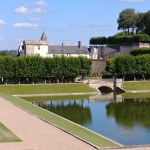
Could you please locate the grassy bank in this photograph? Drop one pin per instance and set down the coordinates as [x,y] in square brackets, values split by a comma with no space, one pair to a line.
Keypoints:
[47,98]
[8,91]
[142,85]
[46,88]
[6,135]
[136,95]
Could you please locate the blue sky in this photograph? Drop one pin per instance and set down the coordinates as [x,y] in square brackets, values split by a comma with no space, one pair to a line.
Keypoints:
[61,20]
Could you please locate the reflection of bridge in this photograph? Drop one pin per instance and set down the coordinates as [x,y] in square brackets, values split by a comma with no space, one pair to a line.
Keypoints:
[105,97]
[102,83]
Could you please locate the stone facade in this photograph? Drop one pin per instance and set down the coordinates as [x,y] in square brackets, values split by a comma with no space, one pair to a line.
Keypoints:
[100,54]
[41,48]
[98,66]
[105,52]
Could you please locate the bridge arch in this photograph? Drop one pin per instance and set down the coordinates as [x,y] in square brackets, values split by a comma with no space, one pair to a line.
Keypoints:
[106,85]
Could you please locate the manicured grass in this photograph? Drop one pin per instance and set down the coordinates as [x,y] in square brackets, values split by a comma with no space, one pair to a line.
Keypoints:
[7,91]
[6,135]
[46,88]
[46,98]
[136,95]
[143,85]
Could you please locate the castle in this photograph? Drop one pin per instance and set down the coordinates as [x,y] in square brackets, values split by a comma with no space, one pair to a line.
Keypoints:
[98,54]
[43,49]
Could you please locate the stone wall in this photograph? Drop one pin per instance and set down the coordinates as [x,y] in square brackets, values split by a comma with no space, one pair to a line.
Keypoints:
[98,66]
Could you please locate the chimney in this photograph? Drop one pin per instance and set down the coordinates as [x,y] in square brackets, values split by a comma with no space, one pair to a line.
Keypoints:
[80,44]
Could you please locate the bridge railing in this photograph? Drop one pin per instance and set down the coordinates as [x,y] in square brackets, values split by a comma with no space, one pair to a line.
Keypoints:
[100,80]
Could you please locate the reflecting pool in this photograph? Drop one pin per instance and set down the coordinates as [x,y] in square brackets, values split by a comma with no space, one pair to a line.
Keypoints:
[126,121]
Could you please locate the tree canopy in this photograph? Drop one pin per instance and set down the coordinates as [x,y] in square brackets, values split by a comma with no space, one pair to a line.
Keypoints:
[63,69]
[132,22]
[127,20]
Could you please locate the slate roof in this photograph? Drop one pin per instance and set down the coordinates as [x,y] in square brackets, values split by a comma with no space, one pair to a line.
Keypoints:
[43,37]
[52,49]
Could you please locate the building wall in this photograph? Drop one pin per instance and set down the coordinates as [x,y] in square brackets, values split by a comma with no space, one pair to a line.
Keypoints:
[41,50]
[67,55]
[98,66]
[29,50]
[104,52]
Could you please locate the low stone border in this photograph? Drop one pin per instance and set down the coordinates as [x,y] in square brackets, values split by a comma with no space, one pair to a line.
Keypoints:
[137,91]
[55,94]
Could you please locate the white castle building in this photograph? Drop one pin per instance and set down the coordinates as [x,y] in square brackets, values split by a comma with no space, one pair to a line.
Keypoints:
[43,49]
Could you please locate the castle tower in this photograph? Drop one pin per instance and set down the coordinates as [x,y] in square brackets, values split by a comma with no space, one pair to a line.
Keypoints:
[43,37]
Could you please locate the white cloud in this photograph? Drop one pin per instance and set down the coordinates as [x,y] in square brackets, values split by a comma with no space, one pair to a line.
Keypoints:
[25,25]
[35,20]
[42,4]
[39,11]
[25,10]
[22,10]
[89,26]
[133,0]
[2,23]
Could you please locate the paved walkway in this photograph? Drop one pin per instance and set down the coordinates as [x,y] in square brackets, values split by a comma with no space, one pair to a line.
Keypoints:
[35,133]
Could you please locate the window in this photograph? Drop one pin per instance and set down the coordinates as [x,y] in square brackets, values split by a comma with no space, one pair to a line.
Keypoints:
[38,47]
[94,56]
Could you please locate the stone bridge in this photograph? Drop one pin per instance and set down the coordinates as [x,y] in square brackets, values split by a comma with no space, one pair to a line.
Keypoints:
[104,84]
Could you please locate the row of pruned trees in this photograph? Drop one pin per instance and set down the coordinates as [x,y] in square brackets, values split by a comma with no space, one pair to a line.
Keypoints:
[134,65]
[120,39]
[32,68]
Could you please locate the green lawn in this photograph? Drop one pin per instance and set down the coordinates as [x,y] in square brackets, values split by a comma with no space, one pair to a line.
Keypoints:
[46,88]
[142,85]
[46,98]
[136,95]
[9,90]
[6,135]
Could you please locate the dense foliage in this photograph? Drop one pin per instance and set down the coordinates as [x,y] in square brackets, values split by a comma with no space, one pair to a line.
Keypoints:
[121,39]
[110,65]
[127,20]
[31,68]
[98,40]
[129,65]
[135,28]
[140,51]
[132,22]
[6,52]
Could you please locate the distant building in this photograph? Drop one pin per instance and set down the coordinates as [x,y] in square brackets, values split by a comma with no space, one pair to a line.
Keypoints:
[104,52]
[99,54]
[41,48]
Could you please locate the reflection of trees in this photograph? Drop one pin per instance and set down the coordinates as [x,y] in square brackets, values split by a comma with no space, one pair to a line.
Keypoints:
[72,110]
[131,112]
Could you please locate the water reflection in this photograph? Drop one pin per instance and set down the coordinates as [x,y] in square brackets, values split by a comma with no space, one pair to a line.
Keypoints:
[72,110]
[131,112]
[126,121]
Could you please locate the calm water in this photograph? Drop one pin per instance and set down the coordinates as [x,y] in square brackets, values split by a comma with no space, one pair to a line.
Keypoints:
[127,121]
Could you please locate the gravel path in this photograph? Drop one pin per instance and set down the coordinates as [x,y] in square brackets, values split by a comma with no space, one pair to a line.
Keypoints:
[35,133]
[39,135]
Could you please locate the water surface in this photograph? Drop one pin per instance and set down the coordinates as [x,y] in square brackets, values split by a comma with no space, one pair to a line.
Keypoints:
[126,121]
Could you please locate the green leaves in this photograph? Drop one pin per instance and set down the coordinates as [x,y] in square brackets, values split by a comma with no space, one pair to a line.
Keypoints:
[140,51]
[129,65]
[127,19]
[98,40]
[110,65]
[58,68]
